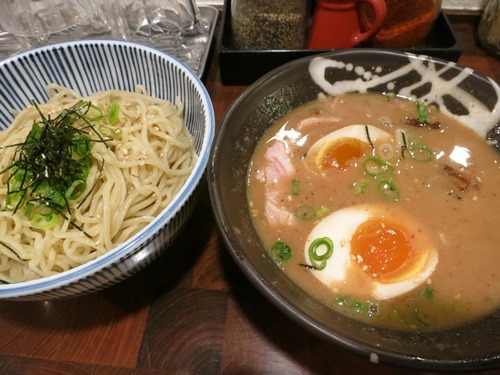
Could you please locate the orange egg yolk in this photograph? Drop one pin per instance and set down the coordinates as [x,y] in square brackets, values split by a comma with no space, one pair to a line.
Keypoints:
[340,152]
[382,248]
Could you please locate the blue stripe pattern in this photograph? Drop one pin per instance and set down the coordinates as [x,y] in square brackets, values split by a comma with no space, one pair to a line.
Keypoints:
[97,65]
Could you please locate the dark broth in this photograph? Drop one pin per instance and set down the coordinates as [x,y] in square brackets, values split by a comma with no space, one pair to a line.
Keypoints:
[451,198]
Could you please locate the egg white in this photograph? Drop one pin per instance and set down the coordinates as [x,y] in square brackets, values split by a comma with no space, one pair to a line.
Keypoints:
[340,226]
[363,133]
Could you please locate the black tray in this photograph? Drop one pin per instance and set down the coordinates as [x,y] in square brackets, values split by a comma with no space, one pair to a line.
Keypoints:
[243,67]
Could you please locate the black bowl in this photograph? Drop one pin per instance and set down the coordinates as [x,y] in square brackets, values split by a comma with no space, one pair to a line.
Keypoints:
[458,90]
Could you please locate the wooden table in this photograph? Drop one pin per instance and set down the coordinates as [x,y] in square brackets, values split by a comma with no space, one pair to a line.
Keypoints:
[192,311]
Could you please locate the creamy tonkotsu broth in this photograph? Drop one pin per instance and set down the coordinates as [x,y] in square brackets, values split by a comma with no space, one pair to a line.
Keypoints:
[382,208]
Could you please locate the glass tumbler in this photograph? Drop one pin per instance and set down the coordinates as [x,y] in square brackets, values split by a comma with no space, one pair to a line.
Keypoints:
[39,22]
[159,23]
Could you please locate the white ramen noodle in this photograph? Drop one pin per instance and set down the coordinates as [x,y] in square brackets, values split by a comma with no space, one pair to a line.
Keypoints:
[144,160]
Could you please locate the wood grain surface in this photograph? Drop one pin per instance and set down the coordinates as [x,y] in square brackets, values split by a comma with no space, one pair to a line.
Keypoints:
[190,312]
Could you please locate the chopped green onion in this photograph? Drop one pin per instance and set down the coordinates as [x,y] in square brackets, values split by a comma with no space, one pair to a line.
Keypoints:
[20,176]
[418,317]
[14,200]
[32,139]
[52,164]
[75,190]
[423,113]
[280,251]
[421,153]
[360,186]
[370,308]
[427,293]
[305,212]
[97,116]
[47,192]
[109,131]
[375,166]
[317,260]
[45,221]
[82,171]
[388,189]
[29,209]
[386,151]
[45,210]
[82,145]
[295,187]
[113,112]
[322,211]
[341,300]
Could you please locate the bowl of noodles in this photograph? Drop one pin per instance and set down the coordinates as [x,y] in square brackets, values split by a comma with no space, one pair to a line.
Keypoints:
[103,145]
[358,191]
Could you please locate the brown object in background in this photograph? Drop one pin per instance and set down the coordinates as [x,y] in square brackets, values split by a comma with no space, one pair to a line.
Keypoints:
[407,24]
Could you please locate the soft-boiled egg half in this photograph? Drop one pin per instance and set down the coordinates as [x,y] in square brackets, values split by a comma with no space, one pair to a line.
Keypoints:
[377,252]
[339,148]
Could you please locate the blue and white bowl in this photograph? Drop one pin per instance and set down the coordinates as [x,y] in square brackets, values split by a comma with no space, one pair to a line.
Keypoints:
[90,66]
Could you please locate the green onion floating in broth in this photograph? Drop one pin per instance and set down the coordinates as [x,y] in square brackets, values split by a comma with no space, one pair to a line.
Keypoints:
[386,151]
[361,185]
[322,211]
[369,308]
[374,166]
[421,153]
[388,189]
[305,212]
[280,251]
[427,293]
[295,187]
[423,113]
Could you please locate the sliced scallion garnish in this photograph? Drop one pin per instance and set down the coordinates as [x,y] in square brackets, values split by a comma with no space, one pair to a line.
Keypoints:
[322,211]
[421,153]
[423,113]
[370,308]
[113,112]
[305,212]
[295,187]
[44,221]
[280,251]
[388,189]
[361,185]
[374,166]
[427,293]
[52,164]
[318,259]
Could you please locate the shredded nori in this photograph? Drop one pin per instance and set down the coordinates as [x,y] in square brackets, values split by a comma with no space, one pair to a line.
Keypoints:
[55,154]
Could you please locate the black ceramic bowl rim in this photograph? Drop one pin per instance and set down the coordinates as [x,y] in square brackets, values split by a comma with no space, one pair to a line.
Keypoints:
[232,236]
